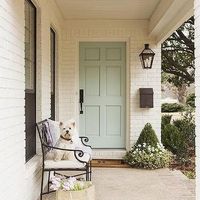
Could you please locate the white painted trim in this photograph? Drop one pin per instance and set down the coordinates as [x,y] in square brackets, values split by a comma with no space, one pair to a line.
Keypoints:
[57,91]
[38,61]
[38,86]
[168,17]
[116,39]
[33,165]
[174,26]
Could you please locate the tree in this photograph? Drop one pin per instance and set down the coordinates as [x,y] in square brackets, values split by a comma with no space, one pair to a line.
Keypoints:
[148,136]
[178,55]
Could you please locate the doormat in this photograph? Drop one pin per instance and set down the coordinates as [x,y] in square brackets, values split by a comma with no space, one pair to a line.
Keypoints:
[109,163]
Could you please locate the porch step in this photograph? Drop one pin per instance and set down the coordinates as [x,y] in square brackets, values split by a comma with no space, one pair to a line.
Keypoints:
[108,154]
[110,163]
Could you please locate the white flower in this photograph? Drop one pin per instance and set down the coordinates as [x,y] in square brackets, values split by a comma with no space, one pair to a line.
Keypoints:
[66,186]
[52,187]
[62,183]
[139,145]
[54,178]
[71,179]
[55,184]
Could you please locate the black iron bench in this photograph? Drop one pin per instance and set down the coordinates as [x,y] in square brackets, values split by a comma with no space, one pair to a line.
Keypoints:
[82,164]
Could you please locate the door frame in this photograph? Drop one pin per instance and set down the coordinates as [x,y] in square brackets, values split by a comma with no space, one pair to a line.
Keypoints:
[126,40]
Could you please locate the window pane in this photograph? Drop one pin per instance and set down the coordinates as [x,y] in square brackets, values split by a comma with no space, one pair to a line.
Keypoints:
[52,43]
[30,42]
[29,71]
[30,79]
[27,15]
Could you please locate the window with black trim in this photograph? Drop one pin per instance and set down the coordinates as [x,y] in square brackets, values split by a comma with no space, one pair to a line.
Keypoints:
[30,79]
[53,66]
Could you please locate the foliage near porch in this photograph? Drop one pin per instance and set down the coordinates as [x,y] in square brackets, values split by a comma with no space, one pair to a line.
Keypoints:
[148,153]
[178,136]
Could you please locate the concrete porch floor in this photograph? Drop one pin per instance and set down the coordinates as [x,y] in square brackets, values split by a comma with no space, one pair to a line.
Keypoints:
[136,184]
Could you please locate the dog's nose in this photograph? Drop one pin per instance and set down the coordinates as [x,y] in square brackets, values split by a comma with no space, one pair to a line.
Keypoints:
[67,131]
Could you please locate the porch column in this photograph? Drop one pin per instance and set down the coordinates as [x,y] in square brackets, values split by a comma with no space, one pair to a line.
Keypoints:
[197,92]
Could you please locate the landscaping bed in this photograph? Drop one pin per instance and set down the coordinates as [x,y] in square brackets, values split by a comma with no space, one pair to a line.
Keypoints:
[178,136]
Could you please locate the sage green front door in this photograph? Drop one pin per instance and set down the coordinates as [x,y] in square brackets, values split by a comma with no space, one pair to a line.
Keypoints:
[102,78]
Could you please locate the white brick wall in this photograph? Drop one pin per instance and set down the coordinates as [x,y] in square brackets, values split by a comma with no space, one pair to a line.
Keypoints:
[197,93]
[20,181]
[12,154]
[135,32]
[44,21]
[24,179]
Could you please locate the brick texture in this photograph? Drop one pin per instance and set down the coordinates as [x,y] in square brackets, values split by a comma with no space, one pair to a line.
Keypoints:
[12,99]
[23,179]
[20,180]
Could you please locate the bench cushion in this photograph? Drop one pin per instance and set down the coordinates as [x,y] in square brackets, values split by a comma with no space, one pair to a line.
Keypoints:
[64,164]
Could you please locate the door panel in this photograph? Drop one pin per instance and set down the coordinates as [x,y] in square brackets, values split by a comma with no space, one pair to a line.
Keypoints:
[113,120]
[102,77]
[92,54]
[92,80]
[113,80]
[92,120]
[113,53]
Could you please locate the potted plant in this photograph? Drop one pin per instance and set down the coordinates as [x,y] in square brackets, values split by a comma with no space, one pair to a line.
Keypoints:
[72,189]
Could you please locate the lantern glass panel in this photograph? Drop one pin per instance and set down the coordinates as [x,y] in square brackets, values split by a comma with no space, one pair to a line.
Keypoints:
[147,61]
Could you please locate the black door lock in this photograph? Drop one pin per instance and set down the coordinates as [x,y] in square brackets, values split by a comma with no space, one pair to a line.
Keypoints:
[81,100]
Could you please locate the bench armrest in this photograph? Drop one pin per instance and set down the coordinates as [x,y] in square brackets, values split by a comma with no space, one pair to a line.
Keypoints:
[77,153]
[84,140]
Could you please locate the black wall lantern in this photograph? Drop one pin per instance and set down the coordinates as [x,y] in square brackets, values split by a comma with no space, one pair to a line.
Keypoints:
[147,57]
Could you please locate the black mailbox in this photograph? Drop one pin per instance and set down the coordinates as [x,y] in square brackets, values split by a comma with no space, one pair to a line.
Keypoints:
[146,97]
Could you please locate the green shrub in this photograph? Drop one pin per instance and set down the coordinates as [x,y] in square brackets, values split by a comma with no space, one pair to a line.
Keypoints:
[173,140]
[190,101]
[166,119]
[147,152]
[190,174]
[148,136]
[187,130]
[172,107]
[148,157]
[186,127]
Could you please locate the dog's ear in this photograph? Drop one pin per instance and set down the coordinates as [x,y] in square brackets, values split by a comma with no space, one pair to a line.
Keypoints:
[72,122]
[61,123]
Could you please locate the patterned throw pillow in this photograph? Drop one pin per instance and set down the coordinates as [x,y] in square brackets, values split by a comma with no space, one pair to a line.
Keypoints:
[54,129]
[48,135]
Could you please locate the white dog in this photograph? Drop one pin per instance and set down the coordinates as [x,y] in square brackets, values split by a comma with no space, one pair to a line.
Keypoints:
[69,139]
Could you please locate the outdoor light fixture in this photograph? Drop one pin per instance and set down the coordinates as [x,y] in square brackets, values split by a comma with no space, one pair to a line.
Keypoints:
[147,57]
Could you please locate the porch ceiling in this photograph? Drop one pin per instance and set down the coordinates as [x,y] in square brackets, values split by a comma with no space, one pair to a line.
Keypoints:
[164,16]
[107,9]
